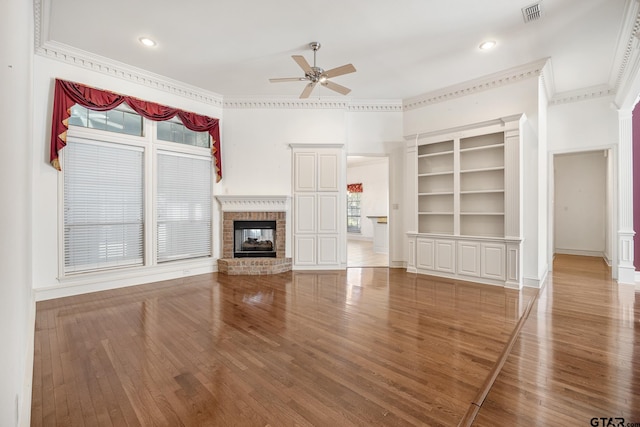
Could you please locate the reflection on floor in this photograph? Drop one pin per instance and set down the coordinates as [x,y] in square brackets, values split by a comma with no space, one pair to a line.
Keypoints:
[360,254]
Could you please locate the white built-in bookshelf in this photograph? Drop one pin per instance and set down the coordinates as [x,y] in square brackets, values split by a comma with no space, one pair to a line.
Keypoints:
[467,182]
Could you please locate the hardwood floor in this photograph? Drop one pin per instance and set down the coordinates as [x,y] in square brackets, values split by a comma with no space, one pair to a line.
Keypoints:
[370,346]
[360,254]
[577,356]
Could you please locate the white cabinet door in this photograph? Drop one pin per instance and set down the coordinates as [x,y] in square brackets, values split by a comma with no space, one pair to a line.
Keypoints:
[445,256]
[319,207]
[327,250]
[493,261]
[305,249]
[425,254]
[304,172]
[328,208]
[305,213]
[328,171]
[469,258]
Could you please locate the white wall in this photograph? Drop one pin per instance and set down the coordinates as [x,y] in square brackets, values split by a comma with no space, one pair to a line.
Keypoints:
[256,153]
[580,203]
[16,304]
[373,132]
[374,176]
[543,187]
[583,125]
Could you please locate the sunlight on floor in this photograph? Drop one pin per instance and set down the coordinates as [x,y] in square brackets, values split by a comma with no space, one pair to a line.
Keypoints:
[360,254]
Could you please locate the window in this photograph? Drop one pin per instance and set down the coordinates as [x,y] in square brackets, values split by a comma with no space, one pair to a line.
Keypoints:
[174,131]
[120,180]
[184,207]
[119,120]
[103,206]
[353,212]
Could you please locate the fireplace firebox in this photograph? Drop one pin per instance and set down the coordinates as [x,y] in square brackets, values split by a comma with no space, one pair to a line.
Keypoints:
[254,239]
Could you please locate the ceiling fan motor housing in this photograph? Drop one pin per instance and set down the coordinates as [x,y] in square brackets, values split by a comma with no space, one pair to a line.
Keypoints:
[316,74]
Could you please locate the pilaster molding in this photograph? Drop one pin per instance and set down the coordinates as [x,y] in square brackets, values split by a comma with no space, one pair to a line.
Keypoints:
[491,81]
[254,203]
[625,267]
[625,171]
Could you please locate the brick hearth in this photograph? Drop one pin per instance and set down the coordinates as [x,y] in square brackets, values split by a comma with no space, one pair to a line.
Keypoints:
[253,266]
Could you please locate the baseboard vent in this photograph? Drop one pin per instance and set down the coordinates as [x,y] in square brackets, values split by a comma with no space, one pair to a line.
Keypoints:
[532,12]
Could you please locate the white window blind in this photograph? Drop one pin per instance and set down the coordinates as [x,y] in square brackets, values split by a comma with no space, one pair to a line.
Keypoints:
[183,206]
[103,206]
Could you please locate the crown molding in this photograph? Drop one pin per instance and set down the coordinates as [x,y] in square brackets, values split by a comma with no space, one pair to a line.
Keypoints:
[39,22]
[627,45]
[80,58]
[383,106]
[284,102]
[626,81]
[491,81]
[582,94]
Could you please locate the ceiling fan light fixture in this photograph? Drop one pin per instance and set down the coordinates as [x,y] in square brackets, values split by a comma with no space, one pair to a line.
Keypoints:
[487,45]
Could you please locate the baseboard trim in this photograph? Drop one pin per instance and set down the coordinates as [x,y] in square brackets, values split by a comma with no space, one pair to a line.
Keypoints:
[579,252]
[104,282]
[531,282]
[27,385]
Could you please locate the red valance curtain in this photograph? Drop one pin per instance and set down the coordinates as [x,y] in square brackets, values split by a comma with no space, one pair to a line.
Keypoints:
[354,188]
[69,93]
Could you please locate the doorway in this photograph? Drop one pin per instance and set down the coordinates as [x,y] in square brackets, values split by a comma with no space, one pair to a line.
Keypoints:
[582,204]
[367,211]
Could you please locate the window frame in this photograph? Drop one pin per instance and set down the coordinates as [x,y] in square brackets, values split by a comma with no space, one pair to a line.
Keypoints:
[150,146]
[359,200]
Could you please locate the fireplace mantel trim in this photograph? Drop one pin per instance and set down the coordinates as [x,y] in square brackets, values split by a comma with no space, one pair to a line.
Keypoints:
[254,203]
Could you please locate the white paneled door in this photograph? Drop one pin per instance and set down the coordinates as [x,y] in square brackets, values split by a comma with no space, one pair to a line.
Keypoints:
[319,205]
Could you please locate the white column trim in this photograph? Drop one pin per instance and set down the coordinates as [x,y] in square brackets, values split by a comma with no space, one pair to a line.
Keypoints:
[625,267]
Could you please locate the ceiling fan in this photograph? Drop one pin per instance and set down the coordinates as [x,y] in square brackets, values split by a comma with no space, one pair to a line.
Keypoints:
[315,74]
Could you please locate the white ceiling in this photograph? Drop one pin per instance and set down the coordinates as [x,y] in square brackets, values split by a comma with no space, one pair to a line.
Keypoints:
[401,49]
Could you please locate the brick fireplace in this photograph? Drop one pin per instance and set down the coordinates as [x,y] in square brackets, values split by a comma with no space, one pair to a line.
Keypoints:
[253,208]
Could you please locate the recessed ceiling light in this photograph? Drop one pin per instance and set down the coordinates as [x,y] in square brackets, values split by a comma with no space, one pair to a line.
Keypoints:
[147,41]
[489,44]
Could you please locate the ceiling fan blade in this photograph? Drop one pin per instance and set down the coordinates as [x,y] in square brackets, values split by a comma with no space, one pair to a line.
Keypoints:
[302,63]
[288,79]
[338,71]
[338,88]
[307,90]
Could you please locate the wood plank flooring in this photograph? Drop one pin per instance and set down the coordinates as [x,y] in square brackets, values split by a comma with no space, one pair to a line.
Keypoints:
[365,346]
[360,254]
[577,356]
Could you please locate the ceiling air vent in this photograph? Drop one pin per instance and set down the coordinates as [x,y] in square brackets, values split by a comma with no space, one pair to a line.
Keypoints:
[531,12]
